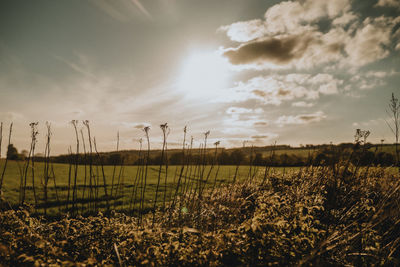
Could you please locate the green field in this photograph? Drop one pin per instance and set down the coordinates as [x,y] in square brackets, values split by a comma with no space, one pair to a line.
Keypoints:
[58,195]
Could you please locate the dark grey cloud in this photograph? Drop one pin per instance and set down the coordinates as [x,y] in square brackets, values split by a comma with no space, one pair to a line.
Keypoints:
[260,136]
[308,118]
[301,118]
[139,126]
[260,123]
[279,51]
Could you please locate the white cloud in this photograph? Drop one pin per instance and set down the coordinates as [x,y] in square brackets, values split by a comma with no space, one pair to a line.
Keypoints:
[328,84]
[380,74]
[295,17]
[345,19]
[244,31]
[372,79]
[239,110]
[272,90]
[388,3]
[275,89]
[290,37]
[302,104]
[368,43]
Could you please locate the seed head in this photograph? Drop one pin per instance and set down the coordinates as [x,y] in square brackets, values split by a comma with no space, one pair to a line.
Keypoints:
[164,127]
[146,129]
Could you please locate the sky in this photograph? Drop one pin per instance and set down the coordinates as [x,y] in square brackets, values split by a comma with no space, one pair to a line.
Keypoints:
[260,71]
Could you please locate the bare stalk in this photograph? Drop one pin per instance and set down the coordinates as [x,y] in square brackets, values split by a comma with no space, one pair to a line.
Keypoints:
[164,128]
[46,165]
[74,191]
[5,163]
[86,123]
[34,140]
[25,176]
[146,131]
[114,168]
[268,164]
[119,190]
[69,175]
[136,180]
[85,175]
[55,184]
[166,171]
[180,175]
[213,164]
[394,124]
[103,174]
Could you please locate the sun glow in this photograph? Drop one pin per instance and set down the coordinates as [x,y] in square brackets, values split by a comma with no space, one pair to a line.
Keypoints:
[203,74]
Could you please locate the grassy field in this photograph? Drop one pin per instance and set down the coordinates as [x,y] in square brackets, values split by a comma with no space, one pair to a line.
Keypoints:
[315,217]
[125,176]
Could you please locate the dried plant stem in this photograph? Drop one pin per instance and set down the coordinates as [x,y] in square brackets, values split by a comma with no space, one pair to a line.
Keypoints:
[85,175]
[136,180]
[166,177]
[47,166]
[74,191]
[268,164]
[6,161]
[91,177]
[180,176]
[69,176]
[114,168]
[146,130]
[163,128]
[34,140]
[103,175]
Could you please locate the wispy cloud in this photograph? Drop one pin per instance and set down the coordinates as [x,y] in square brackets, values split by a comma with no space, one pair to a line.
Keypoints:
[142,8]
[110,9]
[302,104]
[122,11]
[78,67]
[240,110]
[388,3]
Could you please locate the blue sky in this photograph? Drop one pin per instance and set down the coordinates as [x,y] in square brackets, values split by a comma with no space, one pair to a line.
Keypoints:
[295,72]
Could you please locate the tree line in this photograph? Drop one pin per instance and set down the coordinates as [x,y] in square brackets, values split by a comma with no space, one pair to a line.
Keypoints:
[318,155]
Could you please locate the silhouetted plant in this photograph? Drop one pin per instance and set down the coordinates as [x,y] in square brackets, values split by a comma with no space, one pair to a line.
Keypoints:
[394,124]
[114,168]
[146,131]
[103,174]
[137,179]
[74,192]
[164,128]
[91,174]
[46,172]
[6,161]
[85,169]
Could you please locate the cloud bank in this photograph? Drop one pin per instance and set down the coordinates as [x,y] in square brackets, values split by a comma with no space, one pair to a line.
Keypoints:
[292,35]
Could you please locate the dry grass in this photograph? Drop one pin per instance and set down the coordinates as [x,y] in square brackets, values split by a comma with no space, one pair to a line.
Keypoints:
[309,217]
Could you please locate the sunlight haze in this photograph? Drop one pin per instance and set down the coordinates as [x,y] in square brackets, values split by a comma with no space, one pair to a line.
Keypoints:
[294,72]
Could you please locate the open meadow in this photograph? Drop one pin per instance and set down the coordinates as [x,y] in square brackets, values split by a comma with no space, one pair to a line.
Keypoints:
[119,182]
